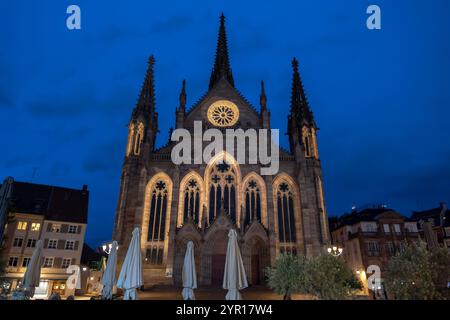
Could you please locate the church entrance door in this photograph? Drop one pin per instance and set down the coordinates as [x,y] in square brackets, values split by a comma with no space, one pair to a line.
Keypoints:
[218,268]
[255,270]
[257,266]
[218,259]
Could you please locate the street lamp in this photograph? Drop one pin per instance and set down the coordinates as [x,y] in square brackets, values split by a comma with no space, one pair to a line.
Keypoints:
[335,251]
[107,248]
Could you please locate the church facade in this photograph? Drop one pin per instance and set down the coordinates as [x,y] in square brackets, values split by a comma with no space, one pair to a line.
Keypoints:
[173,204]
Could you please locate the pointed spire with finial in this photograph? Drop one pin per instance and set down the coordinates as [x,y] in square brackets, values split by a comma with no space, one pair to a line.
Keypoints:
[183,96]
[222,67]
[262,97]
[146,103]
[299,104]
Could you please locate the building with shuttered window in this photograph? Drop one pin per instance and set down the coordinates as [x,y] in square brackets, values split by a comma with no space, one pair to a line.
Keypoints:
[55,215]
[370,237]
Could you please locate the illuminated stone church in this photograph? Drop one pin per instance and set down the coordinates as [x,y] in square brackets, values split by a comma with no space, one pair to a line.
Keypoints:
[173,204]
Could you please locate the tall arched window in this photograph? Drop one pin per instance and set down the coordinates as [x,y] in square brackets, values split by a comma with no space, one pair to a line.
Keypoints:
[222,188]
[314,143]
[307,147]
[252,202]
[321,203]
[192,201]
[158,210]
[139,138]
[286,213]
[130,138]
[307,142]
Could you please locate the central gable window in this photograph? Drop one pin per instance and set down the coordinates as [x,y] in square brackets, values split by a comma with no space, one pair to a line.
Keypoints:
[223,113]
[222,191]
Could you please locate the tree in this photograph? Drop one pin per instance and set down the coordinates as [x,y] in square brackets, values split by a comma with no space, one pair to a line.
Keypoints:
[417,273]
[285,275]
[440,259]
[328,278]
[324,276]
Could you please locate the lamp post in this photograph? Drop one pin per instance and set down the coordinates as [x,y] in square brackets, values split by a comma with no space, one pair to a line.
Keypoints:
[335,251]
[107,248]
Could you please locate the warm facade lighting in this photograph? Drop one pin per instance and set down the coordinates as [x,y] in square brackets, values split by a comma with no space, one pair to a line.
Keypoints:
[335,251]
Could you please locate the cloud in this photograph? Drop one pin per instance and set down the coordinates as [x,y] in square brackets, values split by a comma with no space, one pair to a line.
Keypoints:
[18,161]
[430,182]
[81,102]
[104,157]
[53,108]
[6,86]
[63,105]
[96,165]
[5,99]
[59,169]
[114,33]
[171,24]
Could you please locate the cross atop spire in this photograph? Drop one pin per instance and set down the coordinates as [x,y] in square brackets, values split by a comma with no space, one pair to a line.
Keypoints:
[146,103]
[222,67]
[299,103]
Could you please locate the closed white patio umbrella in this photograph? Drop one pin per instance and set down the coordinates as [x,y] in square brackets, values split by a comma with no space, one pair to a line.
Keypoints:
[32,275]
[130,277]
[189,273]
[109,273]
[234,278]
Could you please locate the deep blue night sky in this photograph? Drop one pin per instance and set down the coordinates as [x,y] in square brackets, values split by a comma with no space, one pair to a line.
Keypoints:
[381,98]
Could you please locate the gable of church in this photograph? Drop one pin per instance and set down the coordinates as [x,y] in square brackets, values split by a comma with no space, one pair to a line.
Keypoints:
[248,116]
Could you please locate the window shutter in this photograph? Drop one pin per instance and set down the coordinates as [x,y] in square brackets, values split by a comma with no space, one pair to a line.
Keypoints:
[46,243]
[76,245]
[57,263]
[79,229]
[61,244]
[64,228]
[74,260]
[49,227]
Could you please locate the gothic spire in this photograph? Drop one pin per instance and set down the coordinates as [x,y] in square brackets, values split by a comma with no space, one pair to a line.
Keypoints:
[299,104]
[183,95]
[262,97]
[222,67]
[146,102]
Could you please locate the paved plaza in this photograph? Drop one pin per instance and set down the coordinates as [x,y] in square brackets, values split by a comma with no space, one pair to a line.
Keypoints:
[213,293]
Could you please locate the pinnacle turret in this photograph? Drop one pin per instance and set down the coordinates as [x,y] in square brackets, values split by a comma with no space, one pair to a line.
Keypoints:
[300,110]
[146,102]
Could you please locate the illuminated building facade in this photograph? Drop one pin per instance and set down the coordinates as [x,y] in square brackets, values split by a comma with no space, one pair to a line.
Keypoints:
[173,204]
[55,215]
[370,237]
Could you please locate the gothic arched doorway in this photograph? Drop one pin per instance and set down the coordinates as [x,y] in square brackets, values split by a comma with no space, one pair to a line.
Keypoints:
[180,252]
[219,251]
[257,263]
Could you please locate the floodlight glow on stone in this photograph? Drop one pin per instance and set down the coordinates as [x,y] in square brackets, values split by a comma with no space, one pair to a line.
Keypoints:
[223,113]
